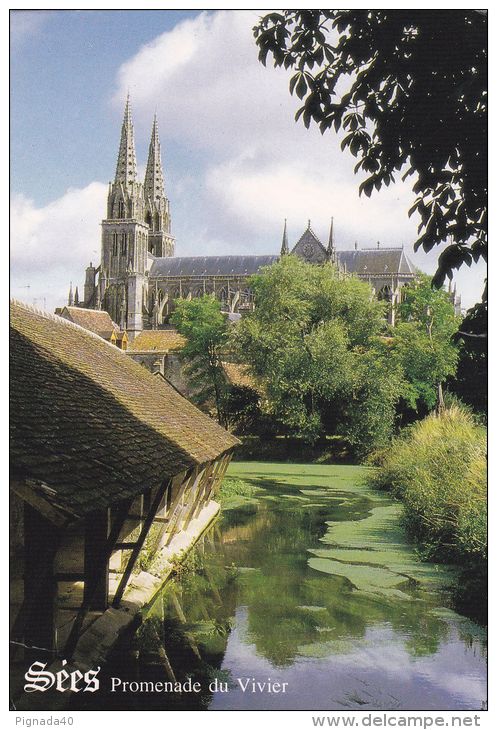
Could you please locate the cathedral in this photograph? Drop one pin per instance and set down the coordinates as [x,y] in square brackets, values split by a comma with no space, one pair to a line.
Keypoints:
[139,275]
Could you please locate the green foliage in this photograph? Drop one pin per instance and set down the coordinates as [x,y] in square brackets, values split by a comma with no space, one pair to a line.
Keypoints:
[409,90]
[372,407]
[313,343]
[470,381]
[424,342]
[242,407]
[235,492]
[206,330]
[437,467]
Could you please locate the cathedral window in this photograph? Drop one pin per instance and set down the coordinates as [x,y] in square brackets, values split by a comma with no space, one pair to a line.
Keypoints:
[120,213]
[123,243]
[114,244]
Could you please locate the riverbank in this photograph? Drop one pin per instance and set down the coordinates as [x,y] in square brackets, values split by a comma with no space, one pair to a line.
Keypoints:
[437,468]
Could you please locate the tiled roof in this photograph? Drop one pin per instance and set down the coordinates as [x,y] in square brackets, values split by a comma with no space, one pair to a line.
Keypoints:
[160,340]
[95,320]
[92,424]
[209,265]
[376,262]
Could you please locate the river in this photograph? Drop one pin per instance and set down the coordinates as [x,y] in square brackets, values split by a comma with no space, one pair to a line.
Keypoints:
[304,596]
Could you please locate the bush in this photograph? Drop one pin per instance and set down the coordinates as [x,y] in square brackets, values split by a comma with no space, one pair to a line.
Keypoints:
[437,467]
[235,492]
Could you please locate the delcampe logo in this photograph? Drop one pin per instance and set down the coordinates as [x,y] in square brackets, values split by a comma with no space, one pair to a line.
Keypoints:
[39,679]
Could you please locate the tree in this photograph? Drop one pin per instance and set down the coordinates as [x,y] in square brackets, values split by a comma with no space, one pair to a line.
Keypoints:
[471,379]
[408,88]
[310,342]
[206,331]
[423,343]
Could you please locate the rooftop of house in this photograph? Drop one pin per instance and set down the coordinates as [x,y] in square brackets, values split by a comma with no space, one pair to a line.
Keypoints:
[89,426]
[157,340]
[94,320]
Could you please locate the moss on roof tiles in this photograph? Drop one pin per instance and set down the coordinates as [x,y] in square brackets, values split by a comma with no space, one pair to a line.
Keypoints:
[160,340]
[93,424]
[95,320]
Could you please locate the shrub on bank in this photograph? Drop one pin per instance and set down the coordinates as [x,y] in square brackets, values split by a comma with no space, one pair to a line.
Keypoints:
[437,467]
[235,493]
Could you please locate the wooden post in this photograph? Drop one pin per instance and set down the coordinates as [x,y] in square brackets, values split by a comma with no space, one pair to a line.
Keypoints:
[207,481]
[178,512]
[41,539]
[102,564]
[96,581]
[193,496]
[154,506]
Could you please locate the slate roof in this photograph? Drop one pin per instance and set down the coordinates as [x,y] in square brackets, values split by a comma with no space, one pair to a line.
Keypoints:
[376,261]
[95,320]
[210,265]
[309,236]
[160,340]
[372,262]
[91,423]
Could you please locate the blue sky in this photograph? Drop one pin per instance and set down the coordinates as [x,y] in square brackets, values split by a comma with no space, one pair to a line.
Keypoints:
[236,164]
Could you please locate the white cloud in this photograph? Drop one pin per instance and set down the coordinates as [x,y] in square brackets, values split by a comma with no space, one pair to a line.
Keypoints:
[301,191]
[52,245]
[207,85]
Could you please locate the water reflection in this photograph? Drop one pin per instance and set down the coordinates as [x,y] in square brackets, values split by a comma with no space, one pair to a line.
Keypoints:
[313,586]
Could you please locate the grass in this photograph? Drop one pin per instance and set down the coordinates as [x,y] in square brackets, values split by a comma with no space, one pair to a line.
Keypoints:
[437,467]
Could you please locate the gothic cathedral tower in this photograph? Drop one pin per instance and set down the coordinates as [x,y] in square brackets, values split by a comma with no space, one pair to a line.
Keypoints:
[137,229]
[157,213]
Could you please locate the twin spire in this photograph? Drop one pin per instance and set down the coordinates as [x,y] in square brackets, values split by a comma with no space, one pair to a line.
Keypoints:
[154,177]
[126,170]
[126,159]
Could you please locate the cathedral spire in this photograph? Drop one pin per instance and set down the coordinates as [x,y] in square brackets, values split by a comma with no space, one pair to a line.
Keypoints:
[154,176]
[126,160]
[331,251]
[284,244]
[70,297]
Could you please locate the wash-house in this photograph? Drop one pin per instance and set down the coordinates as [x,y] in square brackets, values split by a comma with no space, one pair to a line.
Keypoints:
[110,468]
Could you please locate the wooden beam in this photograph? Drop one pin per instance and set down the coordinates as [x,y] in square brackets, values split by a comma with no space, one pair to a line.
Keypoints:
[219,475]
[194,494]
[162,520]
[58,516]
[103,562]
[41,541]
[154,506]
[209,486]
[96,576]
[185,503]
[179,506]
[69,577]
